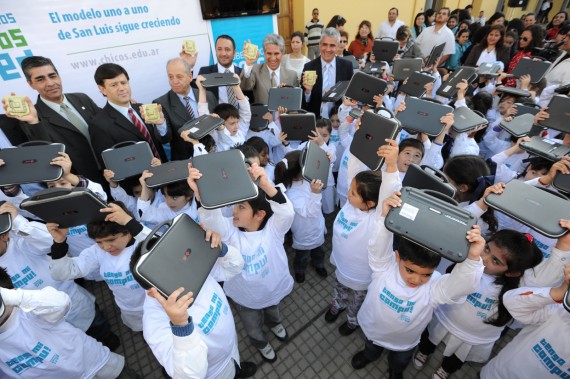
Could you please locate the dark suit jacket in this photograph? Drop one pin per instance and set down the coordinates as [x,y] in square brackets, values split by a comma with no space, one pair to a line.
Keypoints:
[109,127]
[55,128]
[259,81]
[211,70]
[12,129]
[344,71]
[503,55]
[176,115]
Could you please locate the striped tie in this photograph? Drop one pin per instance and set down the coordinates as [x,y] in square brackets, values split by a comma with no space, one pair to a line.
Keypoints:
[232,99]
[189,108]
[142,128]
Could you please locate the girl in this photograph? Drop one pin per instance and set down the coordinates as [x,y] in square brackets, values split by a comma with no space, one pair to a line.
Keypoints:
[470,329]
[362,43]
[263,149]
[418,25]
[258,229]
[490,49]
[553,26]
[296,60]
[461,39]
[309,224]
[351,230]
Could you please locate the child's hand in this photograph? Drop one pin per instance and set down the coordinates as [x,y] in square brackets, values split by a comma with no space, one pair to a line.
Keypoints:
[329,156]
[2,163]
[177,310]
[283,138]
[8,207]
[62,161]
[185,135]
[462,86]
[193,175]
[378,100]
[236,76]
[316,186]
[155,162]
[401,107]
[214,238]
[317,138]
[258,174]
[525,81]
[199,80]
[496,189]
[390,154]
[429,89]
[58,234]
[268,116]
[281,110]
[541,116]
[477,243]
[562,166]
[144,176]
[349,102]
[447,120]
[393,201]
[563,242]
[116,214]
[557,293]
[109,175]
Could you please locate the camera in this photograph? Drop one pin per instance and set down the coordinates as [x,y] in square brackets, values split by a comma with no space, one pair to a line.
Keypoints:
[549,52]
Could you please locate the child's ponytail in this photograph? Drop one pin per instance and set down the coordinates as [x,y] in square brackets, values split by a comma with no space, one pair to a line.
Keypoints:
[288,169]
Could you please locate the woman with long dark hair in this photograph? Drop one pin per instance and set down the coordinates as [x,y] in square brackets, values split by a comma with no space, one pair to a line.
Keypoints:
[531,37]
[554,25]
[490,49]
[418,26]
[363,40]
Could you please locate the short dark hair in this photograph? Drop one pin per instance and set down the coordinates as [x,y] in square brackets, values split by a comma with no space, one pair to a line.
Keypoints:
[248,151]
[33,62]
[225,111]
[412,142]
[5,280]
[257,143]
[416,254]
[180,188]
[469,6]
[229,38]
[394,9]
[324,123]
[102,229]
[108,71]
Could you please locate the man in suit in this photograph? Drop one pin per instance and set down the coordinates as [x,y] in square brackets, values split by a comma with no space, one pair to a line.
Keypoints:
[180,105]
[261,77]
[119,120]
[330,70]
[59,117]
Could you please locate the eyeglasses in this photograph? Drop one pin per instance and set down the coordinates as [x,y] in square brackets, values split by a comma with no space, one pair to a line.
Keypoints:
[526,39]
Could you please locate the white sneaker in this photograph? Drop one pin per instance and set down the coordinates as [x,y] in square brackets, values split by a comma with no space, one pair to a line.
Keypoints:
[440,373]
[268,354]
[280,332]
[420,359]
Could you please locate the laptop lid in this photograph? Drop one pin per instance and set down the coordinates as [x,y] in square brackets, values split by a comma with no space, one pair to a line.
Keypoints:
[66,207]
[257,122]
[286,97]
[436,224]
[169,172]
[30,163]
[375,68]
[298,126]
[217,79]
[519,126]
[415,84]
[513,91]
[201,126]
[561,182]
[545,148]
[490,69]
[449,88]
[373,132]
[435,53]
[536,208]
[427,177]
[127,159]
[179,258]
[423,116]
[315,163]
[535,68]
[559,111]
[466,119]
[527,108]
[225,179]
[5,221]
[404,67]
[364,87]
[385,50]
[336,92]
[352,60]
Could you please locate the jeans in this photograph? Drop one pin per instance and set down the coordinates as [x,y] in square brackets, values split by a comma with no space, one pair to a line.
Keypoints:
[301,260]
[253,320]
[397,360]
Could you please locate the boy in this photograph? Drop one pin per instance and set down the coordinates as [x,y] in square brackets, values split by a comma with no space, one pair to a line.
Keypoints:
[38,343]
[116,239]
[405,290]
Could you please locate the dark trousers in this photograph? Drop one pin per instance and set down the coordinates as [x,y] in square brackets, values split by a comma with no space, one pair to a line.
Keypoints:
[99,328]
[449,364]
[397,360]
[301,260]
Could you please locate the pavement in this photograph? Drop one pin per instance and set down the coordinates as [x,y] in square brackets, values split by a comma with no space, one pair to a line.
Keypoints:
[315,349]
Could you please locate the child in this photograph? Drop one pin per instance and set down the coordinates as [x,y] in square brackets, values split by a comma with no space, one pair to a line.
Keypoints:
[38,343]
[351,231]
[405,290]
[205,145]
[497,139]
[270,136]
[258,230]
[309,224]
[461,45]
[262,149]
[115,240]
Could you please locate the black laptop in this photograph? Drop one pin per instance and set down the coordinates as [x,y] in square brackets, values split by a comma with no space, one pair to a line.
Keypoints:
[217,79]
[298,125]
[127,159]
[415,85]
[169,172]
[180,257]
[336,92]
[519,126]
[538,209]
[287,97]
[404,67]
[66,207]
[352,60]
[374,68]
[513,91]
[5,221]
[559,111]
[427,177]
[225,179]
[561,182]
[315,163]
[201,126]
[433,221]
[364,87]
[435,53]
[526,108]
[423,116]
[257,122]
[466,119]
[546,148]
[535,68]
[30,163]
[448,89]
[373,132]
[385,50]
[490,69]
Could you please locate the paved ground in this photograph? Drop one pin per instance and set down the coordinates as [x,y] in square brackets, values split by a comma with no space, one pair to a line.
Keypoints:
[315,348]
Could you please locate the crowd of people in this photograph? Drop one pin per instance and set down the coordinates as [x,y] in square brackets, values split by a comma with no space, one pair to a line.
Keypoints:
[401,295]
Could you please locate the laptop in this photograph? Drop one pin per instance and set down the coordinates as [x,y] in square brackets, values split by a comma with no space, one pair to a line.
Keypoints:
[535,68]
[5,221]
[385,50]
[374,68]
[66,207]
[435,53]
[423,116]
[257,122]
[449,88]
[404,67]
[169,172]
[225,179]
[432,222]
[298,126]
[546,148]
[373,131]
[414,86]
[286,97]
[466,119]
[352,60]
[527,108]
[217,79]
[364,87]
[201,126]
[561,182]
[179,258]
[315,163]
[519,126]
[127,159]
[427,177]
[559,111]
[336,92]
[535,207]
[513,91]
[30,163]
[490,69]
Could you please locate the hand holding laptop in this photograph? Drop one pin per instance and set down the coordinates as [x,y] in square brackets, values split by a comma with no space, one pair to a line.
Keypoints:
[9,208]
[176,309]
[116,214]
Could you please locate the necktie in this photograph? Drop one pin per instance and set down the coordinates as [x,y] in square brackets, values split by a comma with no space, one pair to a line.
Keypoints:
[189,108]
[327,83]
[232,99]
[144,131]
[273,81]
[75,120]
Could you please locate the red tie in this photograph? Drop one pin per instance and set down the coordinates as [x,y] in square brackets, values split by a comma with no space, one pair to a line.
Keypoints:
[140,126]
